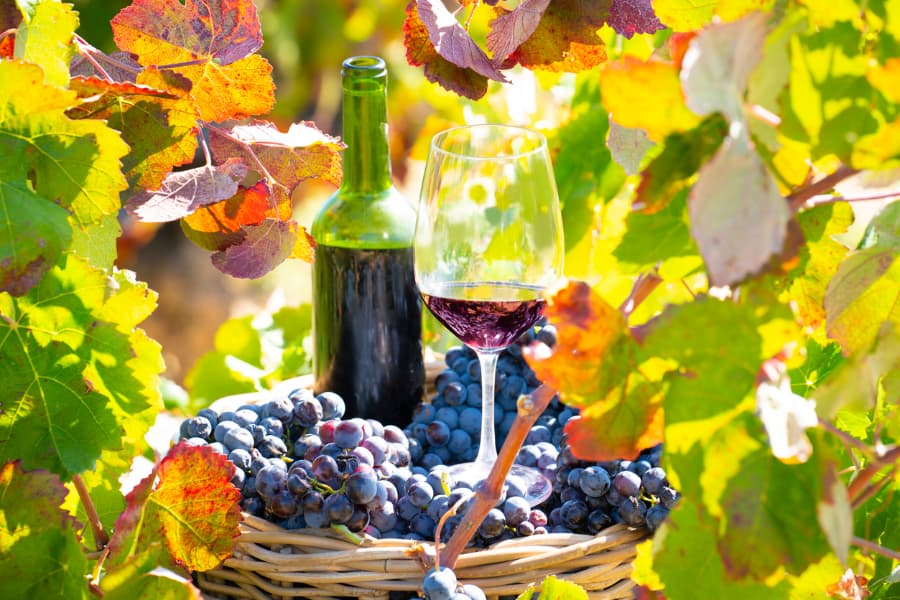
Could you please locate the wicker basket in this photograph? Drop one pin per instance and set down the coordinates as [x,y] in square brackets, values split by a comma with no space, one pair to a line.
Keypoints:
[270,562]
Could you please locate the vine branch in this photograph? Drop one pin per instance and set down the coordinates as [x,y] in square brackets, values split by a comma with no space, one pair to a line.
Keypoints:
[799,197]
[643,287]
[816,201]
[89,52]
[100,536]
[873,547]
[860,483]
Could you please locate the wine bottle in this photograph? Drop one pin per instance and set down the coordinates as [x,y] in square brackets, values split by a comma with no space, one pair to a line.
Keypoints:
[366,307]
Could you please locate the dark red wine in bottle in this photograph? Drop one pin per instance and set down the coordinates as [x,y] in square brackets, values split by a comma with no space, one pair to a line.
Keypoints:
[368,331]
[485,316]
[367,314]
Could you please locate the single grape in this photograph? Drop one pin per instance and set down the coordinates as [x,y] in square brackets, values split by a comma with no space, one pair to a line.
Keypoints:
[240,458]
[384,517]
[269,481]
[325,468]
[333,405]
[361,486]
[437,434]
[439,584]
[238,438]
[574,514]
[223,428]
[272,446]
[594,481]
[632,511]
[246,416]
[438,506]
[420,493]
[627,483]
[668,496]
[273,426]
[653,479]
[394,434]
[473,592]
[282,505]
[307,411]
[279,407]
[358,520]
[348,434]
[338,508]
[423,413]
[516,510]
[493,524]
[655,516]
[423,525]
[598,520]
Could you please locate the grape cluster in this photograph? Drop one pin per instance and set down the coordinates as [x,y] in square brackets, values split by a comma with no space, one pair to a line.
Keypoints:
[447,428]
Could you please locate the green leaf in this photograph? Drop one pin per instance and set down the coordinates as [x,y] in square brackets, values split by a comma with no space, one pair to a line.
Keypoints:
[828,85]
[553,588]
[97,244]
[42,556]
[865,291]
[128,583]
[654,238]
[211,378]
[819,259]
[74,369]
[674,168]
[45,39]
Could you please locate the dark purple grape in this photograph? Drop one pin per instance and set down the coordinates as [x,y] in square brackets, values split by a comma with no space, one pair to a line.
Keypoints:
[348,434]
[598,520]
[439,585]
[627,483]
[238,438]
[653,479]
[437,434]
[493,525]
[574,514]
[423,525]
[333,405]
[420,493]
[359,519]
[655,516]
[516,510]
[525,529]
[325,468]
[406,510]
[395,435]
[423,413]
[245,417]
[361,486]
[668,497]
[272,446]
[384,517]
[298,484]
[632,511]
[594,481]
[338,508]
[240,458]
[307,411]
[326,431]
[270,480]
[282,505]
[438,506]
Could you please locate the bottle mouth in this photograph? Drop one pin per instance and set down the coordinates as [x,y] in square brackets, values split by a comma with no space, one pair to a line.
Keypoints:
[364,66]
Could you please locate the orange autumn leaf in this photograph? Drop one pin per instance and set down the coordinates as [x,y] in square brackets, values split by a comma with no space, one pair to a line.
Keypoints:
[219,225]
[626,95]
[193,510]
[211,44]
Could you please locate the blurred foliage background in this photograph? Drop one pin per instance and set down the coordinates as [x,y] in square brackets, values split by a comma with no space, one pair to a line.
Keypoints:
[306,42]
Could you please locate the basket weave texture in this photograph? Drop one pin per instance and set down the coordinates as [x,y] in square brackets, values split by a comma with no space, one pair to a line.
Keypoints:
[271,562]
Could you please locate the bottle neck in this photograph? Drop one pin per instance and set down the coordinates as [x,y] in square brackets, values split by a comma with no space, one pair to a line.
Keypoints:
[366,162]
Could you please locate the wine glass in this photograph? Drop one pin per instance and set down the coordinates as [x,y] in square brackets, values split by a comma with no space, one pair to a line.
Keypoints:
[488,242]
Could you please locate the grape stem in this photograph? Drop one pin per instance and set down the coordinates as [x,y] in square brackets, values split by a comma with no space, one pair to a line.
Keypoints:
[643,287]
[100,536]
[859,484]
[488,492]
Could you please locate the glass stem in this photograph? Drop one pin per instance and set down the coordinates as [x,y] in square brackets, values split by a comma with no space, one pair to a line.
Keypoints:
[487,449]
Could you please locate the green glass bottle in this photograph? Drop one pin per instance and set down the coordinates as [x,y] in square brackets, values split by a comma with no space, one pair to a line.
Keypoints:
[366,307]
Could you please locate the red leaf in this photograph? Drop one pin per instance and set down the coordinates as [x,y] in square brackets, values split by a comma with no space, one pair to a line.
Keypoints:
[452,42]
[183,192]
[193,510]
[420,52]
[628,17]
[264,247]
[512,27]
[566,38]
[219,225]
[93,85]
[7,43]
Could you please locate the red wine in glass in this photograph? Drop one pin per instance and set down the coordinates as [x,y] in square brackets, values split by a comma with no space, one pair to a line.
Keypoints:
[485,316]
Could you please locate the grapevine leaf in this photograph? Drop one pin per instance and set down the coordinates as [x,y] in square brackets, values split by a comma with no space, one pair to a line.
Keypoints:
[738,218]
[264,247]
[672,170]
[51,152]
[34,234]
[593,366]
[878,150]
[687,544]
[828,85]
[452,42]
[217,39]
[684,15]
[102,92]
[625,84]
[219,225]
[718,63]
[119,66]
[628,146]
[628,17]
[46,40]
[193,509]
[420,52]
[566,38]
[553,588]
[652,238]
[97,243]
[301,153]
[512,27]
[68,363]
[183,192]
[42,556]
[132,583]
[777,526]
[886,78]
[865,291]
[835,514]
[855,384]
[819,259]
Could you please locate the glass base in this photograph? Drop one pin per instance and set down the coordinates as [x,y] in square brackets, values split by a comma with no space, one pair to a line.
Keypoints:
[534,487]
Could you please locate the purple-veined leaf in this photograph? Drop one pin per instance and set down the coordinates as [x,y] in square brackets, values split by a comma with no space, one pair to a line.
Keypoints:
[510,28]
[183,192]
[453,43]
[264,247]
